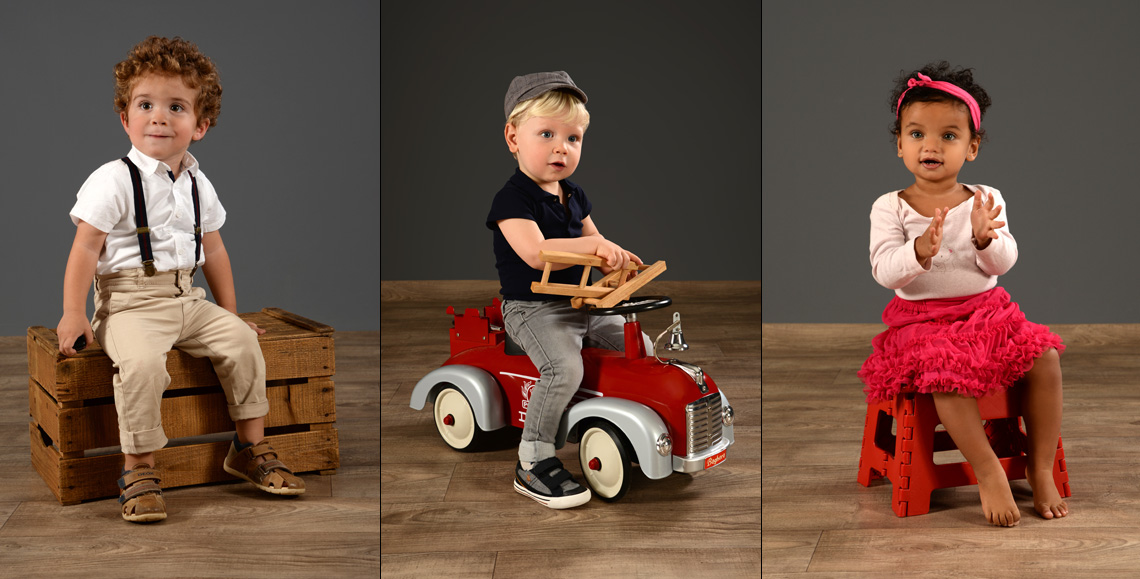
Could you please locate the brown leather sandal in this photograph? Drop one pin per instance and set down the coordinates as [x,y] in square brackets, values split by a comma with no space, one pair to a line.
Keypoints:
[271,476]
[141,498]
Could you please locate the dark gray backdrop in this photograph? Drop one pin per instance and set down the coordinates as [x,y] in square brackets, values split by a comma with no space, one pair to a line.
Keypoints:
[670,160]
[294,155]
[1063,130]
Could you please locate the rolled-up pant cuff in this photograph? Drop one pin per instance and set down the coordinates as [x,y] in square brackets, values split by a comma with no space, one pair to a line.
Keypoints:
[248,411]
[535,451]
[143,441]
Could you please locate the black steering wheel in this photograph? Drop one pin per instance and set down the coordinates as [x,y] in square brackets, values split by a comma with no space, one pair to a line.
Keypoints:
[633,306]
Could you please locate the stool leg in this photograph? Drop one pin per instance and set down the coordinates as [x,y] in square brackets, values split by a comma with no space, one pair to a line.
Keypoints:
[1061,472]
[915,454]
[872,459]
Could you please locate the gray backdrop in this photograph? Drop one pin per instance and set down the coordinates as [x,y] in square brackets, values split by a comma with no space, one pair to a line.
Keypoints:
[294,155]
[1063,140]
[670,159]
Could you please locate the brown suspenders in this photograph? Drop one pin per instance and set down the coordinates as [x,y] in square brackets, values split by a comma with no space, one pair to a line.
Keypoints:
[143,229]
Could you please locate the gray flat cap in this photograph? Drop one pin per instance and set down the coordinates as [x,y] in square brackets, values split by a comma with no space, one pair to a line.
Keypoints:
[535,84]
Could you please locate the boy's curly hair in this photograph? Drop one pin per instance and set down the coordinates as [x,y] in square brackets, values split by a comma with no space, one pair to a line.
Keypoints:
[961,77]
[174,57]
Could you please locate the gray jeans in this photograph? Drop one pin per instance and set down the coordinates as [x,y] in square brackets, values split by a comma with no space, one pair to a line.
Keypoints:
[553,335]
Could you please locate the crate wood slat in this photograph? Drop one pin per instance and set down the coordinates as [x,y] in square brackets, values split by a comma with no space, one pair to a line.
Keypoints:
[73,480]
[96,426]
[290,352]
[299,321]
[72,409]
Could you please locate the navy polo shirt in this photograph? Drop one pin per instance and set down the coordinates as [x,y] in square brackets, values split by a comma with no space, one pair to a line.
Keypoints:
[524,199]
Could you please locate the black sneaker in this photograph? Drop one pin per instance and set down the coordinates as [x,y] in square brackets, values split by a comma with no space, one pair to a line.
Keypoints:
[550,485]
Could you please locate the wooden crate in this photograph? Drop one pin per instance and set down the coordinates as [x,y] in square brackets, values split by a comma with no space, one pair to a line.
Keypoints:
[73,420]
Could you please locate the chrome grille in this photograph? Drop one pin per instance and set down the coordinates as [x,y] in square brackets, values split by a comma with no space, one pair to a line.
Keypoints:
[703,421]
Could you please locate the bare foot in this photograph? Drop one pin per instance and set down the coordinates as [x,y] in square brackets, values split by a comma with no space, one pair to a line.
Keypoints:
[997,500]
[1046,499]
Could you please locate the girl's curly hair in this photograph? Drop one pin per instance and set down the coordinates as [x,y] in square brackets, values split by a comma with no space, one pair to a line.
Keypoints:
[174,57]
[961,77]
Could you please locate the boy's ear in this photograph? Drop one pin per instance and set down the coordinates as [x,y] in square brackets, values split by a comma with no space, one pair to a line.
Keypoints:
[123,118]
[201,130]
[511,134]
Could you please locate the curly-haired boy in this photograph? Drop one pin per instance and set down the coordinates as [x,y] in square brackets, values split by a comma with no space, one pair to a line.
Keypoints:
[144,225]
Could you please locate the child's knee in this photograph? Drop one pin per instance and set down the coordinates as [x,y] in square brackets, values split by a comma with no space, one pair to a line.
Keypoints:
[564,375]
[144,369]
[239,342]
[1048,361]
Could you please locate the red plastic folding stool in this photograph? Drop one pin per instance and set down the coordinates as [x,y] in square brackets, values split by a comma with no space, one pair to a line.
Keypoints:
[906,457]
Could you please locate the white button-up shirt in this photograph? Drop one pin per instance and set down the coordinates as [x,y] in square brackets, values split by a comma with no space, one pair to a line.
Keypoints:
[106,202]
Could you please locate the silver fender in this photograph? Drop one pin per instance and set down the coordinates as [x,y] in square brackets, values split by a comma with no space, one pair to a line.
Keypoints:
[640,424]
[480,388]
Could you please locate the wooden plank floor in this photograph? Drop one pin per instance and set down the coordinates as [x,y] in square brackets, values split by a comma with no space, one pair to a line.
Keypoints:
[819,522]
[452,514]
[218,530]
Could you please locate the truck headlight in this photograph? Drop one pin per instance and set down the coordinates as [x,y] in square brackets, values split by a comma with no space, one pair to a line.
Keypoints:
[664,444]
[728,416]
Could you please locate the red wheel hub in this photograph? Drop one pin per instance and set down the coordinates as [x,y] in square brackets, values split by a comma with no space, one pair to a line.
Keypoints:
[449,420]
[595,464]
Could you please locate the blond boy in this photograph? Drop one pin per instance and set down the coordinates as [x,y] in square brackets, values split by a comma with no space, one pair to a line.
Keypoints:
[539,209]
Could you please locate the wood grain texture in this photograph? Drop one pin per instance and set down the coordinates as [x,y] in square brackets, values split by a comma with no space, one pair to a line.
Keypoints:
[819,522]
[79,479]
[639,563]
[95,425]
[214,530]
[291,348]
[451,513]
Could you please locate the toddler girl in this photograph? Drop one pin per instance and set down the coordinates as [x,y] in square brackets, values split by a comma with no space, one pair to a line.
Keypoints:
[953,333]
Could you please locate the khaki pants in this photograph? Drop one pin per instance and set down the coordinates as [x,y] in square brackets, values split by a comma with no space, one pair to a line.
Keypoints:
[138,319]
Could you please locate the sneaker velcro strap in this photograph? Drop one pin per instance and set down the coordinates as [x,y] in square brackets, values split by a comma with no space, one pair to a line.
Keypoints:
[553,482]
[543,466]
[141,488]
[134,476]
[261,449]
[272,465]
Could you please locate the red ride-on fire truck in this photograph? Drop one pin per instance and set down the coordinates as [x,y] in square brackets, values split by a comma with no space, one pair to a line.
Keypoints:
[663,414]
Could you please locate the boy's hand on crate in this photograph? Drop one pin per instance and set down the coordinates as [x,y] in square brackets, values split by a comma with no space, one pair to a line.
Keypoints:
[71,328]
[254,327]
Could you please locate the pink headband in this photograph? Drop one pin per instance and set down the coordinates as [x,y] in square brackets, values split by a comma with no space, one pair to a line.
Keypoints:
[923,80]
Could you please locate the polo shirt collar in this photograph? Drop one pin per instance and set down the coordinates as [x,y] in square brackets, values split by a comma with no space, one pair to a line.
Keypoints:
[148,165]
[525,183]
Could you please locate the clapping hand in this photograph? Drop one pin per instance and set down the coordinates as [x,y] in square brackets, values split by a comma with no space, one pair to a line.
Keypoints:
[930,242]
[982,219]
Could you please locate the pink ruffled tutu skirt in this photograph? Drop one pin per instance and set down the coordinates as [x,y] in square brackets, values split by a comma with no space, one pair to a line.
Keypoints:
[973,346]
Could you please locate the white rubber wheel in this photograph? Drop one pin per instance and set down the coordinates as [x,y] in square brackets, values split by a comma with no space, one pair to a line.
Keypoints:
[455,419]
[605,461]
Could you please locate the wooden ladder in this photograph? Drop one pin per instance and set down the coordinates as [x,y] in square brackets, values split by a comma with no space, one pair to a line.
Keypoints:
[607,292]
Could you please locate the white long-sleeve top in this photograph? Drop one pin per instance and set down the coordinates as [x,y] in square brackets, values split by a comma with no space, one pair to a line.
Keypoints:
[958,270]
